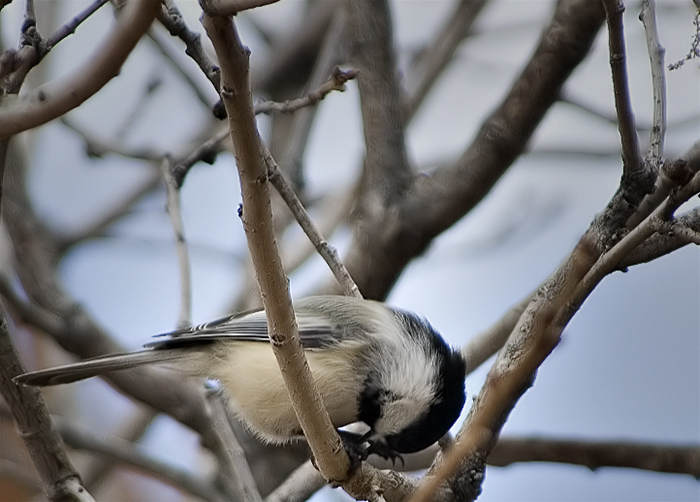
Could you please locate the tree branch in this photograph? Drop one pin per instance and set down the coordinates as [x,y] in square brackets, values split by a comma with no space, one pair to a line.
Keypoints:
[430,63]
[327,252]
[631,158]
[53,100]
[60,480]
[597,454]
[658,78]
[257,221]
[52,309]
[231,7]
[433,203]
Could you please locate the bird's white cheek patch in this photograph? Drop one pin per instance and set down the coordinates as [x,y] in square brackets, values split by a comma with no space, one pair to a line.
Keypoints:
[398,415]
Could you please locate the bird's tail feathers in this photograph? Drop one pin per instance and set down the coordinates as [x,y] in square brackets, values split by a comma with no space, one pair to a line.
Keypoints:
[97,366]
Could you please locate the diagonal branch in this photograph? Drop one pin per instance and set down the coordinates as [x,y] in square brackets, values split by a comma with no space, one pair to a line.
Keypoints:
[52,100]
[327,252]
[433,203]
[430,63]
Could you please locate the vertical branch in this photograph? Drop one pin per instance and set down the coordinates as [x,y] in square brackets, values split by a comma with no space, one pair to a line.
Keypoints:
[46,449]
[174,211]
[237,472]
[257,221]
[631,159]
[658,78]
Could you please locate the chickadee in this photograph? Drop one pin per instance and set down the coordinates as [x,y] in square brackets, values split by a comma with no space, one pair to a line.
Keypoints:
[372,363]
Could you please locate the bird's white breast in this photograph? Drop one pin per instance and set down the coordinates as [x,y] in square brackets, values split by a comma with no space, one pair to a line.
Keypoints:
[251,376]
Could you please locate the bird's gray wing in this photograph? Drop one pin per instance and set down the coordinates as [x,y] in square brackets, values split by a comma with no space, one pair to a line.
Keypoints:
[314,331]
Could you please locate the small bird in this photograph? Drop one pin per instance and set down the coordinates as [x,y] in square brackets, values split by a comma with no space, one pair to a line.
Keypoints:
[372,363]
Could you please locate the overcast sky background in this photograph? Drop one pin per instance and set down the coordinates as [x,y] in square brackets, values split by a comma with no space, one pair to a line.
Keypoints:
[628,367]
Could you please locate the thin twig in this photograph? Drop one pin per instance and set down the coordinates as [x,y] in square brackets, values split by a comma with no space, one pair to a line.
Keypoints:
[658,78]
[173,208]
[631,158]
[97,148]
[430,63]
[335,83]
[490,341]
[70,27]
[168,53]
[171,17]
[327,252]
[237,475]
[207,151]
[694,51]
[50,101]
[294,132]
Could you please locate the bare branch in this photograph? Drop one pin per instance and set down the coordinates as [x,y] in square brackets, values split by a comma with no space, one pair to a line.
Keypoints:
[60,479]
[168,52]
[335,83]
[300,485]
[673,174]
[95,147]
[430,63]
[386,170]
[183,258]
[292,56]
[207,151]
[237,471]
[231,7]
[386,173]
[634,169]
[294,136]
[535,336]
[257,221]
[487,343]
[597,454]
[433,203]
[327,252]
[61,482]
[53,100]
[658,78]
[56,312]
[663,243]
[70,27]
[171,17]
[124,453]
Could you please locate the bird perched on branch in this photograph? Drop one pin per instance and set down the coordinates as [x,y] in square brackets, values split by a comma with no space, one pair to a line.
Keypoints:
[372,363]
